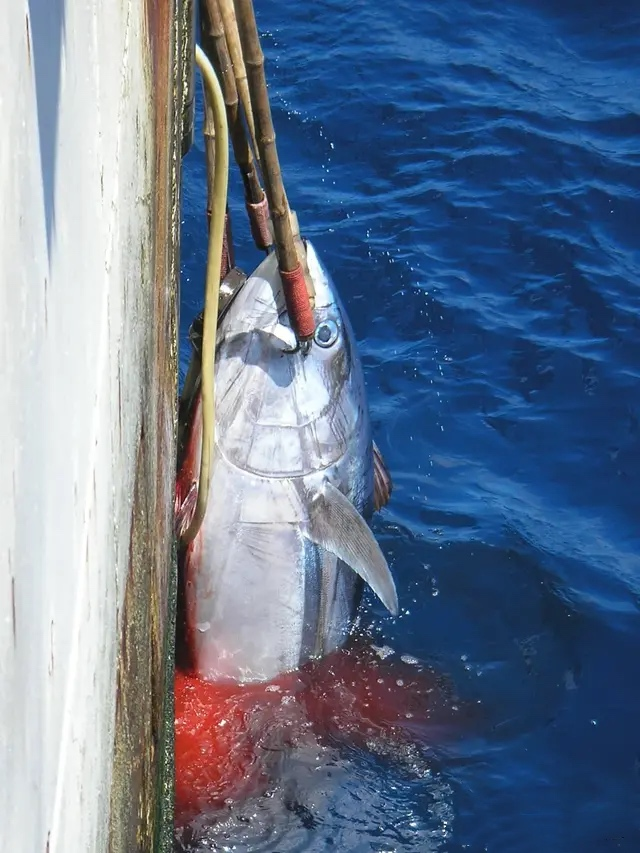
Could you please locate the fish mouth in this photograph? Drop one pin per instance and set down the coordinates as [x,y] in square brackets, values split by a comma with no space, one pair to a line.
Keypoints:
[325,296]
[283,333]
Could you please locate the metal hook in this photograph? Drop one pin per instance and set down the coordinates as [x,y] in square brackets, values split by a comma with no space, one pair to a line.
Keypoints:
[301,346]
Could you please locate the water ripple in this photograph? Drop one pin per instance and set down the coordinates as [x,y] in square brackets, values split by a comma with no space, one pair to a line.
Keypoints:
[470,172]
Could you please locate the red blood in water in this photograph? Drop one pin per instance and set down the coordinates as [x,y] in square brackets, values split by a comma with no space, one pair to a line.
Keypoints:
[357,694]
[229,738]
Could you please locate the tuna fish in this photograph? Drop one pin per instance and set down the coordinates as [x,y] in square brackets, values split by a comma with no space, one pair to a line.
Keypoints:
[275,575]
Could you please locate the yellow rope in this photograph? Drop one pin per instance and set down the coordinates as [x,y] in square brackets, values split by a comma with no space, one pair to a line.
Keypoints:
[214,261]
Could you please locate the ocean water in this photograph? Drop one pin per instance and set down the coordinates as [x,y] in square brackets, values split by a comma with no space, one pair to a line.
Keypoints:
[470,174]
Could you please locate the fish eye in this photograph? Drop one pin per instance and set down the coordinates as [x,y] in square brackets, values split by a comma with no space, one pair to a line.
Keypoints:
[326,333]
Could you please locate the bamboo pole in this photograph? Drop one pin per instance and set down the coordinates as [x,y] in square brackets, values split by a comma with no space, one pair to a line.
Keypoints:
[212,25]
[230,23]
[296,281]
[209,133]
[266,137]
[208,129]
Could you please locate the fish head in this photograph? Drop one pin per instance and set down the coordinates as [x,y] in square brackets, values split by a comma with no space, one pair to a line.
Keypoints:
[281,410]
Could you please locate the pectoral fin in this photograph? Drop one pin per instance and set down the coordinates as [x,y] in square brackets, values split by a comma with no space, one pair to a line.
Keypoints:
[382,484]
[335,524]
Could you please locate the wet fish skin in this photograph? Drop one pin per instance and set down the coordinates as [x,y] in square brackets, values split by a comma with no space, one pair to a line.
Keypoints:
[274,577]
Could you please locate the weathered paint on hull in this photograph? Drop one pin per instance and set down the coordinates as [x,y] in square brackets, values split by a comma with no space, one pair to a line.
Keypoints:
[142,788]
[90,98]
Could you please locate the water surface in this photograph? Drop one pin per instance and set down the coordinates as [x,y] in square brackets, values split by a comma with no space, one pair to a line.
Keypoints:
[470,173]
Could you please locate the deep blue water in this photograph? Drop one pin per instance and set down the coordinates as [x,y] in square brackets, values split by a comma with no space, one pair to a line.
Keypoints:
[470,173]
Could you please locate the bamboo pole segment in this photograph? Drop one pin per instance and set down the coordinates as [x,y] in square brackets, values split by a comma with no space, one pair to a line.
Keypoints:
[228,13]
[212,25]
[209,133]
[214,41]
[296,284]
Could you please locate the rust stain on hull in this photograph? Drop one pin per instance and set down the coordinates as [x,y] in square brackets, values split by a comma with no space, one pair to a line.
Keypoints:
[142,770]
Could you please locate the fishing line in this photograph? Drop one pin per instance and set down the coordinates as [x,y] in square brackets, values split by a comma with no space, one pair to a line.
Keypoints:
[212,287]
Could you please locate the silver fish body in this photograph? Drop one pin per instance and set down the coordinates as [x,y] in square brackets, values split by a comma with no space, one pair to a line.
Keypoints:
[275,573]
